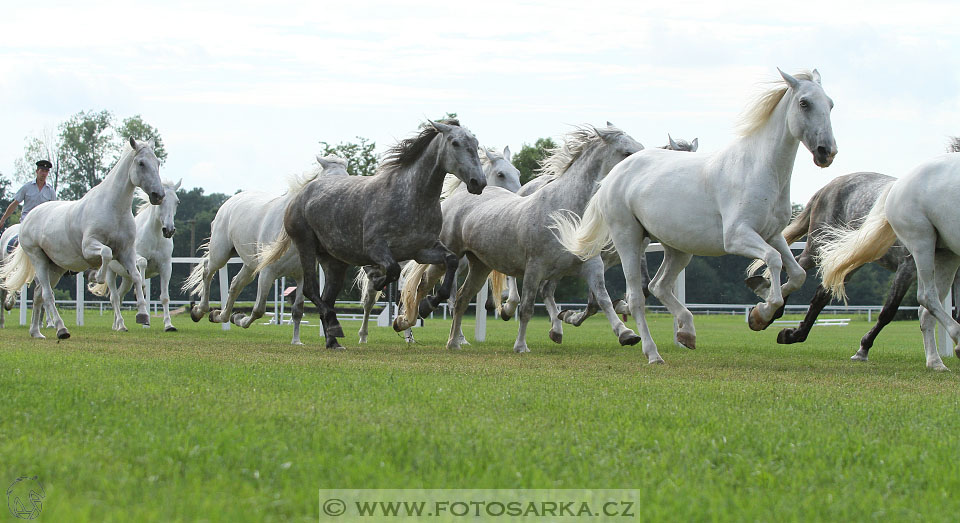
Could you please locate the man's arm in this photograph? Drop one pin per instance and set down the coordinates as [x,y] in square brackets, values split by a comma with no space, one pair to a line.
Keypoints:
[6,214]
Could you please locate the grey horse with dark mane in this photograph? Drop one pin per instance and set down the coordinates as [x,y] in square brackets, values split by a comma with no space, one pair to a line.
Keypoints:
[507,233]
[378,220]
[845,201]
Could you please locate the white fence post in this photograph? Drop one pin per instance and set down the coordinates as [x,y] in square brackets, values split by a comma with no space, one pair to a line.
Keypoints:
[80,298]
[224,292]
[480,329]
[23,305]
[146,296]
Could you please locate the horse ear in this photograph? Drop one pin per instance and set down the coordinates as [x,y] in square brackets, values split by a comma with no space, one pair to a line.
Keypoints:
[133,143]
[486,152]
[440,127]
[506,154]
[177,187]
[610,124]
[791,81]
[673,144]
[693,145]
[322,161]
[816,76]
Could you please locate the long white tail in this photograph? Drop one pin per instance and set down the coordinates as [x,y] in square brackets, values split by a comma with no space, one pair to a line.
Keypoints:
[363,283]
[586,237]
[498,282]
[193,285]
[272,252]
[411,275]
[846,249]
[17,270]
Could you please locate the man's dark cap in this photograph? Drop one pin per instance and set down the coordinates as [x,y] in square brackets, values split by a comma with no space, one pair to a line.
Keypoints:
[44,164]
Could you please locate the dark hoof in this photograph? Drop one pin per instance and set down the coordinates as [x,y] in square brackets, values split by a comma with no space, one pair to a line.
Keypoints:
[397,326]
[562,315]
[170,329]
[195,314]
[212,313]
[236,318]
[63,334]
[490,306]
[786,337]
[143,318]
[628,337]
[504,317]
[956,352]
[756,322]
[333,344]
[556,337]
[425,308]
[687,340]
[335,330]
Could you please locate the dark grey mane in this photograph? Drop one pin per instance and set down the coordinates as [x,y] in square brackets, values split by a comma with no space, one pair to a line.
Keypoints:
[406,151]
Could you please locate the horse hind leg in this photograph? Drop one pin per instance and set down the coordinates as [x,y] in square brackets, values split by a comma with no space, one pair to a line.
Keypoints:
[593,272]
[513,298]
[662,286]
[264,283]
[334,272]
[476,277]
[47,275]
[904,277]
[241,280]
[548,289]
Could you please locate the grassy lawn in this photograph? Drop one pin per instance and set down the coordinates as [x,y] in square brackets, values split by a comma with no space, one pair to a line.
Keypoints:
[240,425]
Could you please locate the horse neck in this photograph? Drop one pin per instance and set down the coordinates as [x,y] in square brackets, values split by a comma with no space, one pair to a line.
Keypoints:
[577,184]
[772,147]
[149,221]
[116,190]
[424,177]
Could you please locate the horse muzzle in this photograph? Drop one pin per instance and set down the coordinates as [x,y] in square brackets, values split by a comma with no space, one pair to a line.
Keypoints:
[168,233]
[824,156]
[475,186]
[156,198]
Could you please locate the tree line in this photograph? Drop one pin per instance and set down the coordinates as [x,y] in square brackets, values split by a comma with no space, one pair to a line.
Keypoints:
[85,146]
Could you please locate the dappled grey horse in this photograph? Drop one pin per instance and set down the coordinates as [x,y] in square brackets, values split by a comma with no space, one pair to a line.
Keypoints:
[244,223]
[508,233]
[378,220]
[844,201]
[610,258]
[499,172]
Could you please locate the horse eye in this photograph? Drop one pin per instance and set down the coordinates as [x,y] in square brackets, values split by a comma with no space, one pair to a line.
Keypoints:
[804,104]
[456,143]
[501,175]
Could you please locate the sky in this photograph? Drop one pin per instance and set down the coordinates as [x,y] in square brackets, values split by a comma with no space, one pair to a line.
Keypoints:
[243,92]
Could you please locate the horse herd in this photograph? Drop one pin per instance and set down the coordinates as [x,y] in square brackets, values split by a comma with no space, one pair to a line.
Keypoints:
[440,203]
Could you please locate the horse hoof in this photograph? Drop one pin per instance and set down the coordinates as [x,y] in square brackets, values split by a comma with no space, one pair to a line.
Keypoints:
[170,329]
[425,308]
[63,334]
[556,337]
[521,349]
[235,319]
[505,317]
[400,324]
[122,328]
[363,339]
[939,367]
[296,342]
[143,318]
[214,316]
[786,337]
[628,337]
[859,356]
[656,361]
[687,339]
[196,315]
[335,345]
[755,322]
[956,352]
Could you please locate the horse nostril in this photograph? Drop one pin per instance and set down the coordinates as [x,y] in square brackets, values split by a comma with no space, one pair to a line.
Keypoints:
[822,151]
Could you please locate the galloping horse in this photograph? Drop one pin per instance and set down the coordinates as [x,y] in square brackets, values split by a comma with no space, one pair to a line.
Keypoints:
[154,244]
[378,220]
[508,233]
[734,201]
[243,224]
[921,211]
[91,232]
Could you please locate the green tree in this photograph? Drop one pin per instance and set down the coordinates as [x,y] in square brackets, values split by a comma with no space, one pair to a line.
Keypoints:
[134,127]
[6,193]
[361,160]
[45,146]
[87,144]
[528,159]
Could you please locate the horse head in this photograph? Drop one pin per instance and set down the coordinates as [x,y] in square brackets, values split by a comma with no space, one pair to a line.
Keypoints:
[808,116]
[458,155]
[168,209]
[144,170]
[499,171]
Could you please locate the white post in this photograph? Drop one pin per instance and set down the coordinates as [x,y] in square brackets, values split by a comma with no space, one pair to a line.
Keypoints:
[944,343]
[282,304]
[23,305]
[80,299]
[146,295]
[480,330]
[224,292]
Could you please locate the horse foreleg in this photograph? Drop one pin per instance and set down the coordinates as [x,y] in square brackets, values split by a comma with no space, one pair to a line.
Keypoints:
[662,286]
[264,284]
[592,272]
[369,300]
[47,275]
[128,259]
[904,277]
[513,298]
[476,277]
[548,289]
[166,268]
[438,254]
[296,313]
[334,272]
[241,280]
[116,298]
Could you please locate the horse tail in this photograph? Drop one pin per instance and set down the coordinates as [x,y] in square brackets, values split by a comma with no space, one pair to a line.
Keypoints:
[586,237]
[362,282]
[498,282]
[411,275]
[272,252]
[844,250]
[193,285]
[795,230]
[98,289]
[17,270]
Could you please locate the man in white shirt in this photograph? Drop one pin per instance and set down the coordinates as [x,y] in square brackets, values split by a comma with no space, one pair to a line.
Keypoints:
[32,193]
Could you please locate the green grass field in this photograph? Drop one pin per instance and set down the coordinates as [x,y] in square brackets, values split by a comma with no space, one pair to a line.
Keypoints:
[240,425]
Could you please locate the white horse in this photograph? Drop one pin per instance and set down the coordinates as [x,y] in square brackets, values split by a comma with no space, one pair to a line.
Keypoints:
[7,298]
[734,201]
[921,211]
[499,173]
[154,244]
[244,223]
[90,232]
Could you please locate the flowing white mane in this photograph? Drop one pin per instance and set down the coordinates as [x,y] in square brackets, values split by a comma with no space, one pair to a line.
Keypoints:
[296,182]
[758,112]
[560,159]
